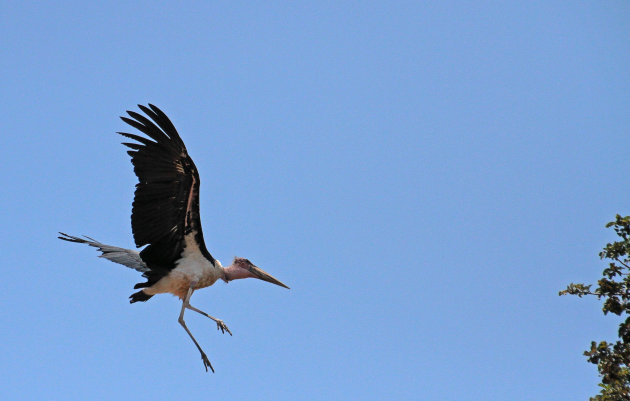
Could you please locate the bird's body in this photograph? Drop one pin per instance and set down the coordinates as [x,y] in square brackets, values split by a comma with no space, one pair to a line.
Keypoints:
[165,218]
[192,267]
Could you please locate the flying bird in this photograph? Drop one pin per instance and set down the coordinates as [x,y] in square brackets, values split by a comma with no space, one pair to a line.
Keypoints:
[165,218]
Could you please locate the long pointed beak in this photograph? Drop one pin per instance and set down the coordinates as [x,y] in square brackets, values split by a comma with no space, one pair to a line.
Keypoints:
[263,275]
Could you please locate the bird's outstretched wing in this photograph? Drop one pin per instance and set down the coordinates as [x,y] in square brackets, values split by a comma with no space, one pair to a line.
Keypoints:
[127,257]
[166,203]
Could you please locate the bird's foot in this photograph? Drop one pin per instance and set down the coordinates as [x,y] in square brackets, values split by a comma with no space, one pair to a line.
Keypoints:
[223,327]
[206,362]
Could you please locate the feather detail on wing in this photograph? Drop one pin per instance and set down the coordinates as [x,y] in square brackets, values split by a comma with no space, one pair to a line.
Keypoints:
[127,257]
[166,203]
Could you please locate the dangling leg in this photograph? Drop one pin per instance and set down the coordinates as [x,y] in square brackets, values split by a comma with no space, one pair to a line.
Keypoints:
[185,304]
[220,325]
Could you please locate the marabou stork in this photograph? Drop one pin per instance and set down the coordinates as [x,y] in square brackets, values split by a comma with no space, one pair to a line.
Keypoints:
[165,218]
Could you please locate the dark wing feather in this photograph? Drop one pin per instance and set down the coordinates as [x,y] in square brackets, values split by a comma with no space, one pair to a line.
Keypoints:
[166,202]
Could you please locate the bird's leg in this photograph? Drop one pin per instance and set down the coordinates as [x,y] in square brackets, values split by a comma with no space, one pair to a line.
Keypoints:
[204,358]
[220,325]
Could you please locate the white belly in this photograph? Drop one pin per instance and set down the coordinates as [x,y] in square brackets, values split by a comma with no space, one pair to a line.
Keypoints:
[192,268]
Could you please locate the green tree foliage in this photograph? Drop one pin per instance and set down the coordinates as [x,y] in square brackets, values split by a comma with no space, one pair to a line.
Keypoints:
[612,359]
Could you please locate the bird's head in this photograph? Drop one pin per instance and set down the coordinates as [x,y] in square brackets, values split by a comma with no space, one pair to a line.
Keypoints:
[243,268]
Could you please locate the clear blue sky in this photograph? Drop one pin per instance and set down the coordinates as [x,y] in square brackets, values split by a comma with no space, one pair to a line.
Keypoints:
[426,176]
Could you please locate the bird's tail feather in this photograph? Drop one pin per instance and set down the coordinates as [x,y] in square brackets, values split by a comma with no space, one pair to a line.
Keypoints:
[139,296]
